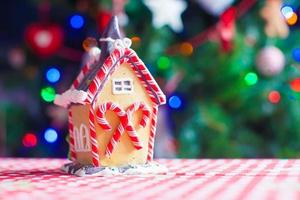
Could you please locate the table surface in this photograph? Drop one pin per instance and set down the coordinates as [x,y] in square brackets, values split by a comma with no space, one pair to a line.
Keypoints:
[187,179]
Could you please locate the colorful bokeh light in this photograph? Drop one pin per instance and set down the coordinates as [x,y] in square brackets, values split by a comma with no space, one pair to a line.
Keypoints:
[50,135]
[292,20]
[186,49]
[274,97]
[89,43]
[136,39]
[76,21]
[296,54]
[29,140]
[48,94]
[251,78]
[163,63]
[287,11]
[53,75]
[295,84]
[175,102]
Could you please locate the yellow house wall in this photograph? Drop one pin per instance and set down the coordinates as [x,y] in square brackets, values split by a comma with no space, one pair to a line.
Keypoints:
[80,115]
[124,153]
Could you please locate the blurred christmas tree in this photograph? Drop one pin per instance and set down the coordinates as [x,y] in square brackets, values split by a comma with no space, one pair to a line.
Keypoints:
[242,91]
[229,68]
[232,80]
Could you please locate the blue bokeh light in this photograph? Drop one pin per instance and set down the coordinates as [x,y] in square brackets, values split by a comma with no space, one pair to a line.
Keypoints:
[53,75]
[76,21]
[296,54]
[175,102]
[50,135]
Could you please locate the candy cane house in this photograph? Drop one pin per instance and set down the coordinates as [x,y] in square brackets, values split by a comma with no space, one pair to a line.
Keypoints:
[113,105]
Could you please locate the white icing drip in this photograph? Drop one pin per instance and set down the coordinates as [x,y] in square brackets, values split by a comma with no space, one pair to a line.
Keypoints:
[94,55]
[70,96]
[151,168]
[117,43]
[146,169]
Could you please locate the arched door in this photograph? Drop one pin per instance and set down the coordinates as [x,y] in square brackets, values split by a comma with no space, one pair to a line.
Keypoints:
[82,139]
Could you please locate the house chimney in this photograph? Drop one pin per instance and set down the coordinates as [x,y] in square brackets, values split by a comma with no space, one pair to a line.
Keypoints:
[111,31]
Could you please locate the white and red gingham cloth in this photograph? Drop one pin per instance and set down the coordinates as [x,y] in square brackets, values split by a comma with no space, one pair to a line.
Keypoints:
[188,179]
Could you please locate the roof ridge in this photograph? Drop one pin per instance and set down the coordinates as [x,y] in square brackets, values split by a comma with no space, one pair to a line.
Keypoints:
[118,57]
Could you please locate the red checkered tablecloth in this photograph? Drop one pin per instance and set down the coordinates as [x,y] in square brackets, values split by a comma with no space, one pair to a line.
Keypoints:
[188,179]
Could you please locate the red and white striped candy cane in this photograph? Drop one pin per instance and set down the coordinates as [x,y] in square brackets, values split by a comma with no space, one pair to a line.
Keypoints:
[100,113]
[93,136]
[80,76]
[131,132]
[139,106]
[152,133]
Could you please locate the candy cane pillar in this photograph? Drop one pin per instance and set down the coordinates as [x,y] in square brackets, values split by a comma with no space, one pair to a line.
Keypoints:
[71,137]
[152,133]
[93,136]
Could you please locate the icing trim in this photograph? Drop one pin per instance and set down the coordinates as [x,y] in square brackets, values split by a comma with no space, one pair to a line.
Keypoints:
[70,96]
[118,57]
[82,139]
[89,170]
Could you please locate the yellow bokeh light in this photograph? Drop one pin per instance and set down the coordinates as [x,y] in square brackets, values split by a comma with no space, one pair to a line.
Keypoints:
[136,39]
[292,19]
[186,49]
[89,43]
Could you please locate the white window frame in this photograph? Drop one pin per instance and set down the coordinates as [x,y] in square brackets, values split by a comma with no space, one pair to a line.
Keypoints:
[82,139]
[124,89]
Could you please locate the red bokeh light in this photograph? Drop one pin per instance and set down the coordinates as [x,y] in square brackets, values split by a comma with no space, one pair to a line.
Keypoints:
[29,140]
[103,18]
[274,97]
[295,84]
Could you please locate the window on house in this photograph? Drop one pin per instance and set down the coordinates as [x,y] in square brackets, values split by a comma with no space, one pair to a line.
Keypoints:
[122,86]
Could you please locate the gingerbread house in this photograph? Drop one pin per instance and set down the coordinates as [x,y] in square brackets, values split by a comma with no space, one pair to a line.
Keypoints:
[113,105]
